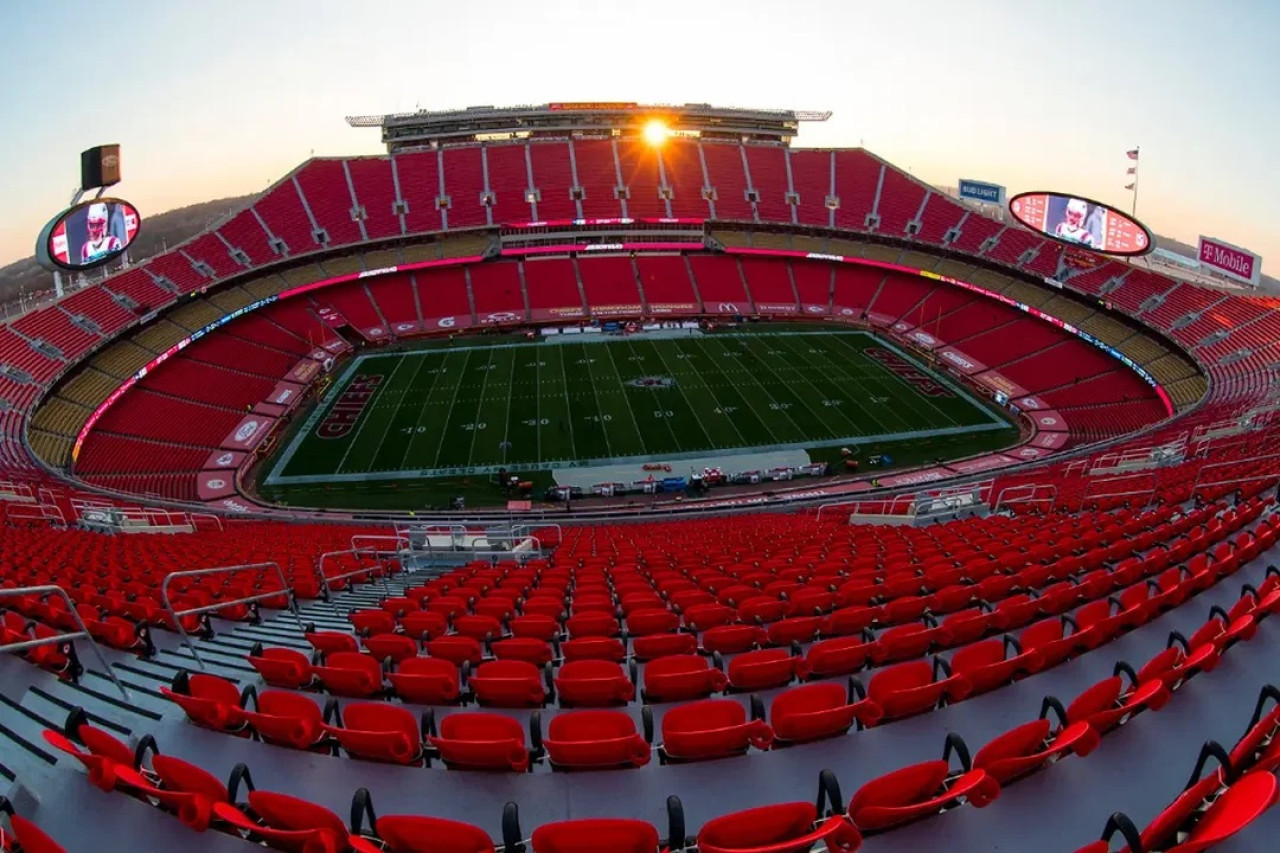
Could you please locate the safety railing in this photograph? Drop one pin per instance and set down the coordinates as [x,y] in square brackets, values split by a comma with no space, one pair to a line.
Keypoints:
[1271,472]
[81,632]
[361,546]
[1131,486]
[178,615]
[528,530]
[873,506]
[205,516]
[36,512]
[1027,493]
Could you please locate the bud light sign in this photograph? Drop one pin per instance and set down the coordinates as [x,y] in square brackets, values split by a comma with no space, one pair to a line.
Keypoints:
[1232,261]
[983,192]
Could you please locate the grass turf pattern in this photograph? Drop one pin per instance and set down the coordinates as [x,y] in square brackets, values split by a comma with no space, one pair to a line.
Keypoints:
[471,410]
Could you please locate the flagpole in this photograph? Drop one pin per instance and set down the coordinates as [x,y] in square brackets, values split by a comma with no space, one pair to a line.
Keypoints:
[1136,169]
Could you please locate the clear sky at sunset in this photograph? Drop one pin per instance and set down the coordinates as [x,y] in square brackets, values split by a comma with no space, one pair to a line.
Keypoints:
[219,99]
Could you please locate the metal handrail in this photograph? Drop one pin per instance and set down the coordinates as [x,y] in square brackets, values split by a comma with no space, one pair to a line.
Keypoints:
[556,526]
[177,615]
[1032,489]
[325,578]
[19,511]
[206,515]
[81,633]
[1273,457]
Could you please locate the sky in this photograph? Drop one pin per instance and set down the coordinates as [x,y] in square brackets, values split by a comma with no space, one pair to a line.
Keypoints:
[218,99]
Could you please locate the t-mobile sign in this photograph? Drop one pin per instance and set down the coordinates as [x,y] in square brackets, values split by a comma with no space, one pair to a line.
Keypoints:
[1232,261]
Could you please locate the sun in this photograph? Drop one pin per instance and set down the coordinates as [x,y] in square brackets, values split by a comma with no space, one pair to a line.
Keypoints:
[656,132]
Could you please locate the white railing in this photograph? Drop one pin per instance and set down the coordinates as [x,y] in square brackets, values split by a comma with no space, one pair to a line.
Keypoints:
[177,615]
[81,632]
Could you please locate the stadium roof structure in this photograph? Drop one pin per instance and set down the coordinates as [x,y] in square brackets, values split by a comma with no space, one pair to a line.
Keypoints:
[563,118]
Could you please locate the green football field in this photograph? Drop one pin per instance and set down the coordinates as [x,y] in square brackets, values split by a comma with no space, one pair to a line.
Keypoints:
[581,400]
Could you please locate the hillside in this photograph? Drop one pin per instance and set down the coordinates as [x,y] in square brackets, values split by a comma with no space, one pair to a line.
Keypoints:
[158,233]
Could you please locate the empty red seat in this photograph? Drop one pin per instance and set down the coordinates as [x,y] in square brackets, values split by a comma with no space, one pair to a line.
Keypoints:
[1033,745]
[393,647]
[286,668]
[372,621]
[284,718]
[478,627]
[820,710]
[653,646]
[681,677]
[921,790]
[781,828]
[593,683]
[594,648]
[481,741]
[796,629]
[377,731]
[915,686]
[1114,700]
[350,674]
[208,700]
[588,835]
[424,625]
[701,617]
[595,739]
[838,655]
[534,627]
[426,681]
[731,639]
[711,728]
[764,669]
[417,834]
[458,650]
[592,625]
[328,642]
[509,684]
[984,665]
[290,824]
[528,649]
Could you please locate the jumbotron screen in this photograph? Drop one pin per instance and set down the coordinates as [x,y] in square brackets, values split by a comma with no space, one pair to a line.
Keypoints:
[1082,222]
[89,234]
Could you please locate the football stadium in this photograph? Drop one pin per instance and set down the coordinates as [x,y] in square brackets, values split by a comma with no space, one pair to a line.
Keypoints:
[611,476]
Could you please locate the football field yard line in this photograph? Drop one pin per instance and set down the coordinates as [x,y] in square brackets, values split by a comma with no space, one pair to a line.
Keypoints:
[537,410]
[907,385]
[447,414]
[784,387]
[958,390]
[600,413]
[568,406]
[729,398]
[753,389]
[385,453]
[747,398]
[716,406]
[644,446]
[366,416]
[703,407]
[422,408]
[489,369]
[833,391]
[684,398]
[866,374]
[852,371]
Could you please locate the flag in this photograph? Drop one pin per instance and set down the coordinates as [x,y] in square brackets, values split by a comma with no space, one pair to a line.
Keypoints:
[1132,154]
[1129,186]
[1133,170]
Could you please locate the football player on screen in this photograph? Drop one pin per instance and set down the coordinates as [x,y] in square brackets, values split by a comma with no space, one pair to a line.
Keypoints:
[99,243]
[1073,226]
